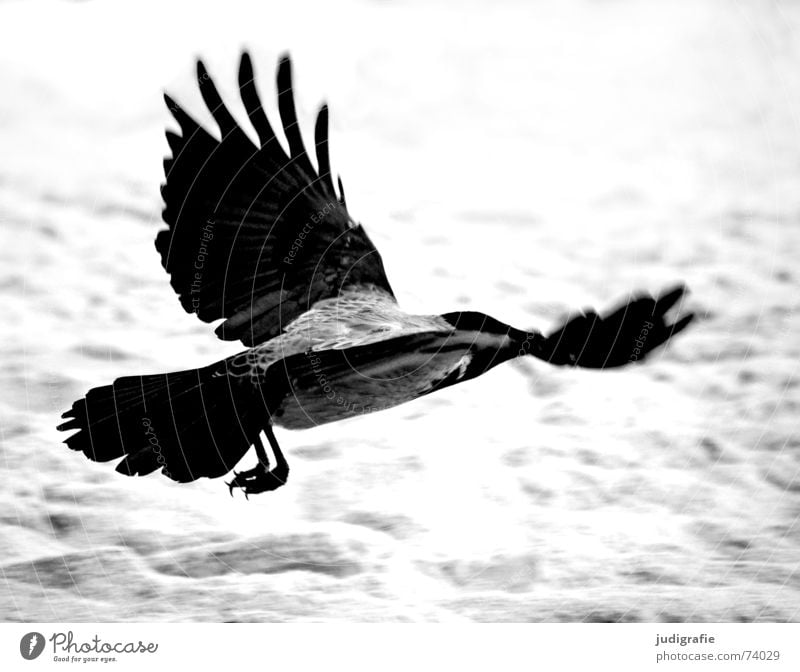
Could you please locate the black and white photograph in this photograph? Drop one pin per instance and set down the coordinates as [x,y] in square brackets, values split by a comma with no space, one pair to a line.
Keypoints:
[400,312]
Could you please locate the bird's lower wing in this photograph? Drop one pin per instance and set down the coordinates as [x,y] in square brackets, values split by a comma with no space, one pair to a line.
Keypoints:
[621,336]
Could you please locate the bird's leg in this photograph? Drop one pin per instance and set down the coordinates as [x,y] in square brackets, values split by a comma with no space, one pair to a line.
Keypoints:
[281,469]
[260,478]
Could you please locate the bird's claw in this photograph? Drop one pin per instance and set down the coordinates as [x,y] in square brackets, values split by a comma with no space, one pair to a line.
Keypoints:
[258,479]
[231,484]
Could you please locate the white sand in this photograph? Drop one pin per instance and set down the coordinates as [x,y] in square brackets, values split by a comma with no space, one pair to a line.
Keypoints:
[526,162]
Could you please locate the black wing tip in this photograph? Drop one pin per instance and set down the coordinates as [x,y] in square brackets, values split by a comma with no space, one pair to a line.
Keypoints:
[172,106]
[72,420]
[246,74]
[284,76]
[174,141]
[681,324]
[288,115]
[671,296]
[321,128]
[342,199]
[211,97]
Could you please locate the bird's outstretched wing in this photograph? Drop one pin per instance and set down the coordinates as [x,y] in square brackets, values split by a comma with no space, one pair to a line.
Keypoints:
[620,336]
[256,235]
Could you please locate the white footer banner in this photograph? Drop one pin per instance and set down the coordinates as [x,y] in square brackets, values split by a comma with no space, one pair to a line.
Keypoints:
[387,647]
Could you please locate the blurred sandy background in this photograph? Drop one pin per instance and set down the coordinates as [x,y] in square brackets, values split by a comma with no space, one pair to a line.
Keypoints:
[521,158]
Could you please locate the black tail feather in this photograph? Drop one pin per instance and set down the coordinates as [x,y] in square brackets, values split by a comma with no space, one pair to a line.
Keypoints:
[189,423]
[622,336]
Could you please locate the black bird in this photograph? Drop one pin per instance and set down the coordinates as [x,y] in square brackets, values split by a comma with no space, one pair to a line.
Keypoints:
[262,239]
